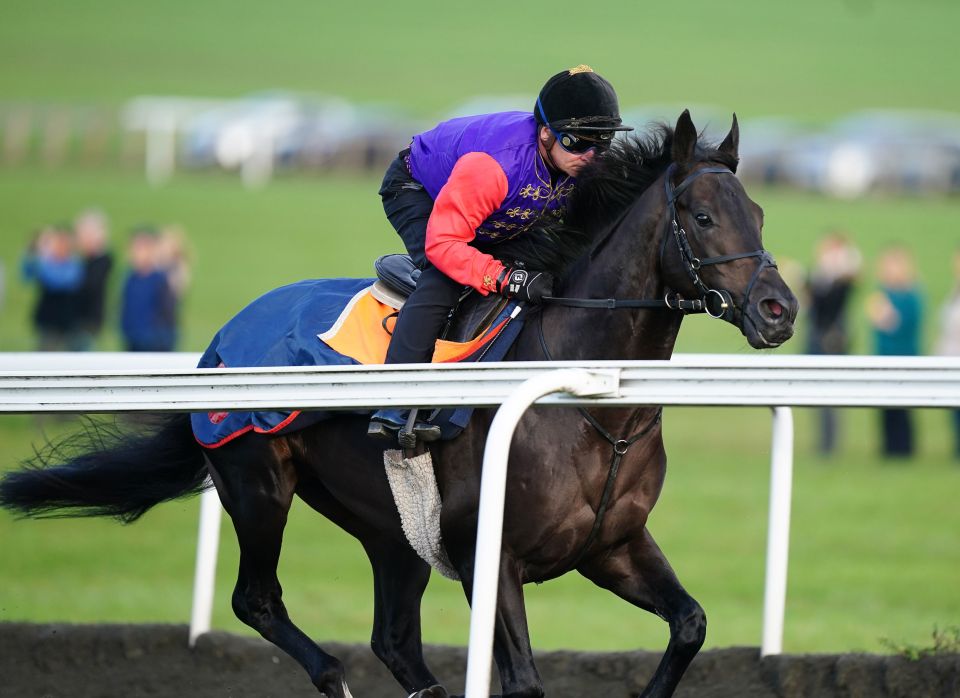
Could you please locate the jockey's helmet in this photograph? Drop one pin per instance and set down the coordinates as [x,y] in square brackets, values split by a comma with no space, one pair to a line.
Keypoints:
[579,101]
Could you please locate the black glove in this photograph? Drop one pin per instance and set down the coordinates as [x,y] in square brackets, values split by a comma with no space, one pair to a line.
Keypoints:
[530,286]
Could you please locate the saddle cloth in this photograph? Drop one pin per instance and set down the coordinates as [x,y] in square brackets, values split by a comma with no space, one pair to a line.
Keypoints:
[328,322]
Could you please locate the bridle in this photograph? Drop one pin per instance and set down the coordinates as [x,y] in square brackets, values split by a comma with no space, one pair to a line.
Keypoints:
[717,303]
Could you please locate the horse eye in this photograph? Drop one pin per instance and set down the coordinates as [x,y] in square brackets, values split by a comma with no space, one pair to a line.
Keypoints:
[703,220]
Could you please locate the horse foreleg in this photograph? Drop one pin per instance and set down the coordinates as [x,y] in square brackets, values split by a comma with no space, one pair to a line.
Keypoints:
[400,577]
[639,573]
[511,641]
[256,486]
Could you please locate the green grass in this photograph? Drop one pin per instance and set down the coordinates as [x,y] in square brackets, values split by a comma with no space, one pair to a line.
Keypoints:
[875,549]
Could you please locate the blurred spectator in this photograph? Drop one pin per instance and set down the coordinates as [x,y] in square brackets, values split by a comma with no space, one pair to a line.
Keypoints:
[90,230]
[174,258]
[895,311]
[829,286]
[949,341]
[148,304]
[51,262]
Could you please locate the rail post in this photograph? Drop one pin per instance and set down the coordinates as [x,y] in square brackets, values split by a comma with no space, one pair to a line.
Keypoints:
[208,541]
[778,531]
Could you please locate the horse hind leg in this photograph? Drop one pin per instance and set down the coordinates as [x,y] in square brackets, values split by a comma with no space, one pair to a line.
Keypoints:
[639,573]
[256,482]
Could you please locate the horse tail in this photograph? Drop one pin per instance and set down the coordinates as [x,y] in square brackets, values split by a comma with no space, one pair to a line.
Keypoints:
[107,471]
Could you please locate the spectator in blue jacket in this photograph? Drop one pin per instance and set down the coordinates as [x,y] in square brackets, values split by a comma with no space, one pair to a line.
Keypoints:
[148,304]
[895,311]
[52,263]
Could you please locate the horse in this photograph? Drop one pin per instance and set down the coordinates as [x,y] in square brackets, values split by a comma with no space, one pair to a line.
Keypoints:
[672,232]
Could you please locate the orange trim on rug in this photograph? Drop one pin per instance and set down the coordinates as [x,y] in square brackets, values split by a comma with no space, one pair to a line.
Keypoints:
[240,432]
[451,352]
[359,334]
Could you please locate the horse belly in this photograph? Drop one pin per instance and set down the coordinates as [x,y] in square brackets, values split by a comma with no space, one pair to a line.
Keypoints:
[342,476]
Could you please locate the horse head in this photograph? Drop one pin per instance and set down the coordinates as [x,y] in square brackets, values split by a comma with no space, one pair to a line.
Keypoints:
[712,247]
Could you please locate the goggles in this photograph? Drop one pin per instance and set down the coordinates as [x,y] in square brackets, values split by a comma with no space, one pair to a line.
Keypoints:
[578,144]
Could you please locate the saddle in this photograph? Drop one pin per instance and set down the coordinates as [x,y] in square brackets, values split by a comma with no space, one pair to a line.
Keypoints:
[397,278]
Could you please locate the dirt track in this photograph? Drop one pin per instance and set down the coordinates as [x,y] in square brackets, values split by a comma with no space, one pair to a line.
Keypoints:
[135,661]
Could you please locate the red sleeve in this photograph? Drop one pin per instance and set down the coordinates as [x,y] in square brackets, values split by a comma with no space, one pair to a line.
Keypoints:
[476,188]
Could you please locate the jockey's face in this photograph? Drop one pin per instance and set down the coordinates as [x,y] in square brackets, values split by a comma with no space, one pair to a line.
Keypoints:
[566,162]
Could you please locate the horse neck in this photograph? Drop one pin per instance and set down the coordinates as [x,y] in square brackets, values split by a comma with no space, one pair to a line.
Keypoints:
[627,266]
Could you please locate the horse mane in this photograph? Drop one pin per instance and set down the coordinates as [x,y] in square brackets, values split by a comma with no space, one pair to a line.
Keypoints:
[606,187]
[609,185]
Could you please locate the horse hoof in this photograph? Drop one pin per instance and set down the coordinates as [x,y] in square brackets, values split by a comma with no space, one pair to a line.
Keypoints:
[437,691]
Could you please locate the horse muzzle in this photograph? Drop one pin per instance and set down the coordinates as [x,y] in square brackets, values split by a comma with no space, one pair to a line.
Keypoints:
[768,322]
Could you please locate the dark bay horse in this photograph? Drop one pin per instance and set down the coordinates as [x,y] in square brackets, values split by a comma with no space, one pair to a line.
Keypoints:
[672,231]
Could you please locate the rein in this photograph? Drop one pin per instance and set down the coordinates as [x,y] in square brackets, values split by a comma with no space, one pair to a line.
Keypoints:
[717,303]
[620,447]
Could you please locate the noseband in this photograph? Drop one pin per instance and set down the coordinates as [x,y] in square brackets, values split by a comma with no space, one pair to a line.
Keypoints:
[717,303]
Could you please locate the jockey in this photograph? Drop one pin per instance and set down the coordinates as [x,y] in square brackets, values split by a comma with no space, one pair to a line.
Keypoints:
[485,179]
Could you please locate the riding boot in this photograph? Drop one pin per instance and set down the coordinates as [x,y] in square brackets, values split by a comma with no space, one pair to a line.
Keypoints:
[413,341]
[389,424]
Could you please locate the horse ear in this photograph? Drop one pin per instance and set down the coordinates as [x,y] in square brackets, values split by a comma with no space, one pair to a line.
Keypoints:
[684,139]
[731,144]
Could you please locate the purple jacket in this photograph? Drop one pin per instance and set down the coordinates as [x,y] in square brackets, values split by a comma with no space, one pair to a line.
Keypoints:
[510,138]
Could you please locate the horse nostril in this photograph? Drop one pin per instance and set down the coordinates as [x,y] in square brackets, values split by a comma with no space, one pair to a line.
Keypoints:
[774,310]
